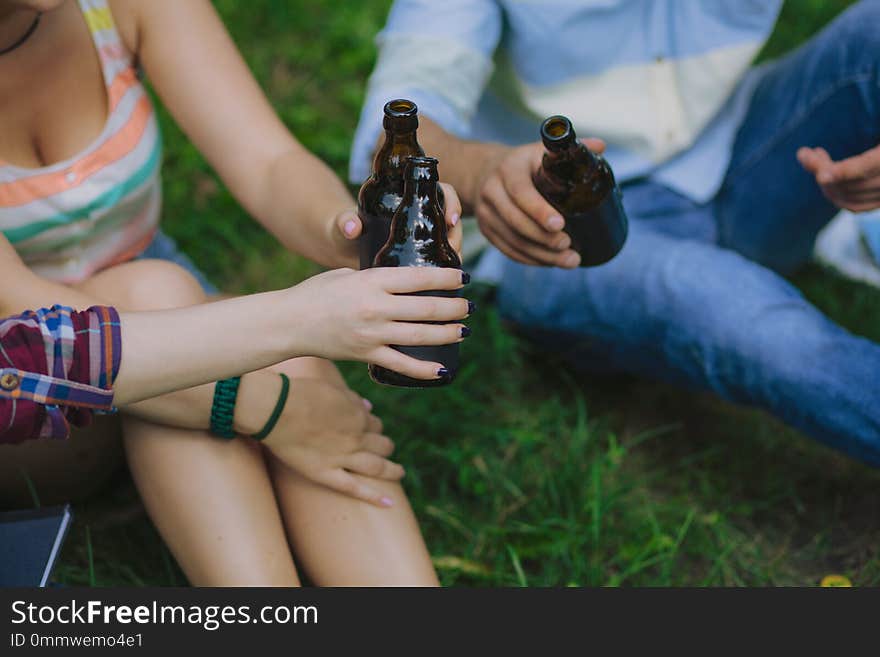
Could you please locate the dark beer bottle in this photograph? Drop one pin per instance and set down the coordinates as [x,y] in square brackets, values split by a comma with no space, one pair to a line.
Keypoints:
[418,239]
[381,193]
[580,184]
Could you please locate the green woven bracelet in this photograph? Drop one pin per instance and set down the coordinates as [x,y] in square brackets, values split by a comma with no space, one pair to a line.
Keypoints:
[279,406]
[223,408]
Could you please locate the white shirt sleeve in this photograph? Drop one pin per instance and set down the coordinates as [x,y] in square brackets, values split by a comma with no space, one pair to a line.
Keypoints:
[437,54]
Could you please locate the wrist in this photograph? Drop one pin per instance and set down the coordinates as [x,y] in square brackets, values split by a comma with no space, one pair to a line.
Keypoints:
[257,394]
[483,160]
[274,322]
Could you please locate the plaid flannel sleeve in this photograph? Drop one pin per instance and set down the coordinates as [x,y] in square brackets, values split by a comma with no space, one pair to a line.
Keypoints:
[57,368]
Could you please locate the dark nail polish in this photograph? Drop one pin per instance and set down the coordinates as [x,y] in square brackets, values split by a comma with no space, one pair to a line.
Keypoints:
[465,331]
[471,307]
[465,278]
[443,373]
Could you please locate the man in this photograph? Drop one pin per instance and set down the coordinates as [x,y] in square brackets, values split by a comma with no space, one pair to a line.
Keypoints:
[728,174]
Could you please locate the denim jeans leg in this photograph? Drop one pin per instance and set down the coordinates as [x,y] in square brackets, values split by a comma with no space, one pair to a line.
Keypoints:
[690,312]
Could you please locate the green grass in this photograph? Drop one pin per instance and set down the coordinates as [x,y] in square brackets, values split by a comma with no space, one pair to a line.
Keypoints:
[523,473]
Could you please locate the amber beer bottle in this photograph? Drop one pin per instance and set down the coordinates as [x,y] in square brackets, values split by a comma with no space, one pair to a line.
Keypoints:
[580,184]
[418,239]
[381,193]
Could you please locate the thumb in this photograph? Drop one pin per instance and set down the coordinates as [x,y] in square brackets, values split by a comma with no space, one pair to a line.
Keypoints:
[349,224]
[815,160]
[456,237]
[594,144]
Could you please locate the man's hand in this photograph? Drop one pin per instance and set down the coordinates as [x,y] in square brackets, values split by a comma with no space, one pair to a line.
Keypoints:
[853,183]
[515,217]
[349,224]
[326,432]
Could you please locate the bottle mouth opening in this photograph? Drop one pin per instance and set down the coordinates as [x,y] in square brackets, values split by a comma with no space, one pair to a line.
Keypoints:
[421,167]
[400,108]
[401,116]
[557,131]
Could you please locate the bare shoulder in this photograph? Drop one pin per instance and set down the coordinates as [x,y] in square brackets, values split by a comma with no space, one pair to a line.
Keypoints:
[137,20]
[126,15]
[134,17]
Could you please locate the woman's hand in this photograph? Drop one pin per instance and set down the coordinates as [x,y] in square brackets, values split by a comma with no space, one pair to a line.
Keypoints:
[326,432]
[354,315]
[349,224]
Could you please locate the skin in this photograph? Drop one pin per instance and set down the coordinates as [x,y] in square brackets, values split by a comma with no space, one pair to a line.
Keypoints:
[203,493]
[852,183]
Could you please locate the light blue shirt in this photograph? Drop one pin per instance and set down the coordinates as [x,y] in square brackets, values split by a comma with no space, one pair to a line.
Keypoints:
[666,83]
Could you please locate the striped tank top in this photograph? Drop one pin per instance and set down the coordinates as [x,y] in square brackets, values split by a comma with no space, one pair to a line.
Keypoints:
[100,207]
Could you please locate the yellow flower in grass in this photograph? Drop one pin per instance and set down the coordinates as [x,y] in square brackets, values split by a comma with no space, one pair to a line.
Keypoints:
[835,581]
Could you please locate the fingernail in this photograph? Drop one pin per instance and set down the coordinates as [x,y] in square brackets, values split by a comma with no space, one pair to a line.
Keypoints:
[368,404]
[555,222]
[563,243]
[572,260]
[387,502]
[349,227]
[455,218]
[442,373]
[465,331]
[471,307]
[465,278]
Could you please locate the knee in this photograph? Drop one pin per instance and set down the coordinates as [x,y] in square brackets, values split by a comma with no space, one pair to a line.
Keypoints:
[856,33]
[722,316]
[159,285]
[863,17]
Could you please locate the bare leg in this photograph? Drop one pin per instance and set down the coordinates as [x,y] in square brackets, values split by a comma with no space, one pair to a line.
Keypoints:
[340,541]
[211,500]
[213,503]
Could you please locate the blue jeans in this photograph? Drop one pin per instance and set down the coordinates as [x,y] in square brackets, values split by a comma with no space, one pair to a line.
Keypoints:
[164,248]
[695,297]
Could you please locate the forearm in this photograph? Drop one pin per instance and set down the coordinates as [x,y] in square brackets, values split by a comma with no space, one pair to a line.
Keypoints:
[300,200]
[195,345]
[31,291]
[463,163]
[157,360]
[191,408]
[222,109]
[176,349]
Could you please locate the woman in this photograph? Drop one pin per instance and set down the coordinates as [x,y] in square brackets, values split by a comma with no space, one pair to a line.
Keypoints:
[79,199]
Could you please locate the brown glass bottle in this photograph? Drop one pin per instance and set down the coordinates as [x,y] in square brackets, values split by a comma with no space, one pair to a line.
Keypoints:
[580,184]
[418,239]
[381,193]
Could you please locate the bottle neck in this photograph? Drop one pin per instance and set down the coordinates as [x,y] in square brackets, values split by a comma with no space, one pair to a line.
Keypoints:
[421,209]
[573,150]
[391,158]
[576,160]
[421,193]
